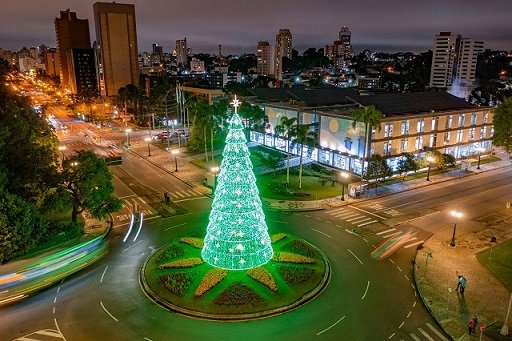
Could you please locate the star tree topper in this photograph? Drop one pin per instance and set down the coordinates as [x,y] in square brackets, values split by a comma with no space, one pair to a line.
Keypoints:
[236,103]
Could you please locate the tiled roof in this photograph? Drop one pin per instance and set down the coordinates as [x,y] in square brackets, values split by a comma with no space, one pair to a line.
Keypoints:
[309,96]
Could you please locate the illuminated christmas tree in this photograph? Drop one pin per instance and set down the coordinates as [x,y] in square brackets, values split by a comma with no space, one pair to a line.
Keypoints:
[237,236]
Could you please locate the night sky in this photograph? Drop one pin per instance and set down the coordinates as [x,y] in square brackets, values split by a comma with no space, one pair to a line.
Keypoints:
[383,25]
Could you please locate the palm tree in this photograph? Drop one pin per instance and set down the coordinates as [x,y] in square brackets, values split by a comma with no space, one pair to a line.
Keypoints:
[370,117]
[283,129]
[304,136]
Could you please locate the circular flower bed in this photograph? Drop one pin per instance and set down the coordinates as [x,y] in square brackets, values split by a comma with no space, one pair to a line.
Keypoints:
[175,276]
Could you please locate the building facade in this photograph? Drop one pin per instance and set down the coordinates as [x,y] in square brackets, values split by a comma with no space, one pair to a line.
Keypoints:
[181,52]
[284,43]
[117,51]
[266,60]
[341,50]
[71,33]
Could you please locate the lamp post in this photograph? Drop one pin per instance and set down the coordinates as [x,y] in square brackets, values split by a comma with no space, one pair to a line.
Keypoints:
[480,150]
[62,149]
[175,152]
[148,139]
[215,170]
[430,159]
[457,215]
[344,175]
[128,136]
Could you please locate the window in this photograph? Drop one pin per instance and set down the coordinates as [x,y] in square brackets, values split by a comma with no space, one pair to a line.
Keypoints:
[473,119]
[483,131]
[403,145]
[458,139]
[485,117]
[447,138]
[449,120]
[471,134]
[419,143]
[387,148]
[433,140]
[421,125]
[461,120]
[405,127]
[435,122]
[388,130]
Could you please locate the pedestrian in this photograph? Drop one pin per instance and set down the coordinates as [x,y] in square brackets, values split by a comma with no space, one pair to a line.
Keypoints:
[475,322]
[459,277]
[471,326]
[462,285]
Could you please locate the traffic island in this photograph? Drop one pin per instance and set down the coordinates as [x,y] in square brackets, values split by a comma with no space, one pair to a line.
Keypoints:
[176,277]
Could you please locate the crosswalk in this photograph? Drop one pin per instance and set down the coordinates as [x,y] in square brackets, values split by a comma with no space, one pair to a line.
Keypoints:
[398,237]
[43,335]
[355,218]
[428,332]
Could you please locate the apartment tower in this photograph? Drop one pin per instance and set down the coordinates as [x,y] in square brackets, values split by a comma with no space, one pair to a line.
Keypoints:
[116,36]
[181,52]
[284,43]
[266,59]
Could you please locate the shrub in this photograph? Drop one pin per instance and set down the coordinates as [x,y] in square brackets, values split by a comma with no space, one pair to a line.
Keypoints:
[182,263]
[177,283]
[300,247]
[238,294]
[295,275]
[197,243]
[211,279]
[263,276]
[287,257]
[277,237]
[173,251]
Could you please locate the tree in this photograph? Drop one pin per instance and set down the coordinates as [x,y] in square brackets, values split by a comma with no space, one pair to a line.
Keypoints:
[273,161]
[303,136]
[407,164]
[237,236]
[378,168]
[252,114]
[503,125]
[283,129]
[87,186]
[370,117]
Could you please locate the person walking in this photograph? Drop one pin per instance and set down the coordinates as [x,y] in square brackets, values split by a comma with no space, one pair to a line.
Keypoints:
[475,322]
[471,326]
[462,285]
[459,277]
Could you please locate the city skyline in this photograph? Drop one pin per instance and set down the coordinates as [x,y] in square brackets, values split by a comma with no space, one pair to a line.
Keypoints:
[393,26]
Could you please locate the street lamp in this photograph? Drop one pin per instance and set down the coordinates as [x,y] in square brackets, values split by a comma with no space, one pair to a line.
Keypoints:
[344,175]
[215,170]
[480,150]
[62,149]
[175,152]
[430,159]
[128,136]
[457,215]
[148,139]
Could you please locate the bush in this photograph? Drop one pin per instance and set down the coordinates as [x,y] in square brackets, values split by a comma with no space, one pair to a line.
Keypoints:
[277,237]
[211,279]
[263,276]
[300,247]
[238,294]
[197,243]
[177,283]
[182,263]
[293,276]
[173,251]
[287,257]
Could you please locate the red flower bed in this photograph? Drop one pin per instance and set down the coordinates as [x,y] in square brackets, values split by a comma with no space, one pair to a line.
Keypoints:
[173,251]
[238,294]
[177,283]
[294,275]
[299,247]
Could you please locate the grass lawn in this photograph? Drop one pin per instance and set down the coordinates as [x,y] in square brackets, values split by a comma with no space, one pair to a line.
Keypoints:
[310,185]
[499,262]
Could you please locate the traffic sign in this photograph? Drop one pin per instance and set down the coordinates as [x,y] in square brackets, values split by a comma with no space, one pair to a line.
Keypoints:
[483,326]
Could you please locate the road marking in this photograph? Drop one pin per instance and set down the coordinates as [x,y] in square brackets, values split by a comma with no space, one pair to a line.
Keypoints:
[383,232]
[335,323]
[401,325]
[361,220]
[437,332]
[356,218]
[58,289]
[107,311]
[415,337]
[129,247]
[321,233]
[367,286]
[174,226]
[367,223]
[391,260]
[337,210]
[411,245]
[360,209]
[414,304]
[392,234]
[425,334]
[410,312]
[407,278]
[346,215]
[390,336]
[101,280]
[399,268]
[354,256]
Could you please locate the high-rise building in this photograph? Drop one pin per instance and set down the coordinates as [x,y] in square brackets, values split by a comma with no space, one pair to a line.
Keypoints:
[284,43]
[181,52]
[454,60]
[344,35]
[157,49]
[116,36]
[51,63]
[71,33]
[266,60]
[341,50]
